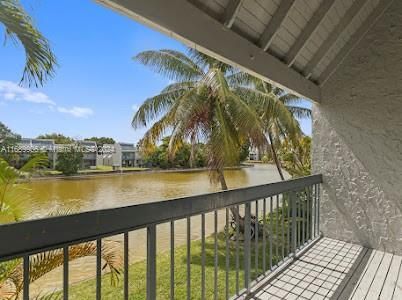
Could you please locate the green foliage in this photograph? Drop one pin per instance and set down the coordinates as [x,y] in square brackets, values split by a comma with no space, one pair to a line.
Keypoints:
[265,159]
[200,105]
[11,274]
[69,160]
[57,137]
[19,27]
[244,151]
[12,193]
[100,141]
[296,156]
[8,139]
[159,156]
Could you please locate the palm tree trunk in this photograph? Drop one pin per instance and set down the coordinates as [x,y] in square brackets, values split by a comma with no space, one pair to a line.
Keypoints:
[222,180]
[275,156]
[192,151]
[233,210]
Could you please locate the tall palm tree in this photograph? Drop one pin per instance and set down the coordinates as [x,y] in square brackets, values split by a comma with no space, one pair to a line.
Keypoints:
[201,105]
[19,27]
[276,109]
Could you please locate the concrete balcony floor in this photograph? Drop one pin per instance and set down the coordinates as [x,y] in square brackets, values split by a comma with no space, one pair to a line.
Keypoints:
[333,269]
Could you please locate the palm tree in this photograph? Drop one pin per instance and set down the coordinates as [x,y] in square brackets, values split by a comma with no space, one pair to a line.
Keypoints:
[200,105]
[276,109]
[297,157]
[40,61]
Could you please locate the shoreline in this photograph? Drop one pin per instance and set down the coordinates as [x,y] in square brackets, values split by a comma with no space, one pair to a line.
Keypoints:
[128,172]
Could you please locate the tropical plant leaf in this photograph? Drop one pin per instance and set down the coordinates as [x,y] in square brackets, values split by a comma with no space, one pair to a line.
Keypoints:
[171,64]
[40,61]
[42,263]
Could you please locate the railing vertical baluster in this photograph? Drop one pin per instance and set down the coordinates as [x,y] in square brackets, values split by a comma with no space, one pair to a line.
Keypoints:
[308,214]
[188,258]
[227,254]
[277,230]
[126,265]
[237,248]
[65,272]
[288,218]
[271,231]
[303,219]
[298,221]
[151,262]
[283,227]
[318,208]
[202,256]
[26,278]
[256,239]
[315,210]
[172,259]
[99,269]
[247,244]
[264,242]
[294,216]
[216,254]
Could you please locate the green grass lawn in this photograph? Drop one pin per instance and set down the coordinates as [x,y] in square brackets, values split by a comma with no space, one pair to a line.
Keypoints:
[109,169]
[137,273]
[52,172]
[134,169]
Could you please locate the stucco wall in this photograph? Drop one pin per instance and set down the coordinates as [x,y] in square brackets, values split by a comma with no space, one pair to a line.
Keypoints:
[357,137]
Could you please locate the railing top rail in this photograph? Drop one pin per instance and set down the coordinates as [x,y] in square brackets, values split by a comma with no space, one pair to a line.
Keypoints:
[34,236]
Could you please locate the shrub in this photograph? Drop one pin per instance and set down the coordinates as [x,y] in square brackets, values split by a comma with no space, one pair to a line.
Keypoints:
[69,160]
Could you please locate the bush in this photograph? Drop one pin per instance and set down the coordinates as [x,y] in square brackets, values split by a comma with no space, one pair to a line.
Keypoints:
[69,161]
[265,159]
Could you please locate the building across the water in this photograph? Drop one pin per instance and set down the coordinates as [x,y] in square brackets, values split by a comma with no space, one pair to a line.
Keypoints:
[120,155]
[117,155]
[29,146]
[90,153]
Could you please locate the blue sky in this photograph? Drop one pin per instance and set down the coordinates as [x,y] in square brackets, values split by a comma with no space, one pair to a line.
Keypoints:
[97,85]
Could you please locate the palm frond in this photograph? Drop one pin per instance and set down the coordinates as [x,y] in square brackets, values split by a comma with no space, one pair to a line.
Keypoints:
[290,99]
[299,112]
[38,161]
[49,296]
[155,133]
[155,106]
[40,61]
[273,113]
[207,62]
[240,79]
[7,290]
[44,262]
[171,64]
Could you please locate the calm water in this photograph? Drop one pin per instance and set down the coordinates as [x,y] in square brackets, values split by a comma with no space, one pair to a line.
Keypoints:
[114,191]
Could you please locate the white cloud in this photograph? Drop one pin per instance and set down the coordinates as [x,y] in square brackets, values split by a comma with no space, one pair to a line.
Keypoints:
[76,111]
[11,91]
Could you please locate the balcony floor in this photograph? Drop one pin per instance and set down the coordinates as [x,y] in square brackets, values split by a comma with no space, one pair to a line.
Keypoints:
[333,269]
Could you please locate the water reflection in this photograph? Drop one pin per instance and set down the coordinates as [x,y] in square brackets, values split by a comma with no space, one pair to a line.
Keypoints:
[114,191]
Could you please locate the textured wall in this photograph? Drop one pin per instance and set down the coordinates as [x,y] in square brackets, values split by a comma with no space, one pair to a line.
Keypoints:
[357,134]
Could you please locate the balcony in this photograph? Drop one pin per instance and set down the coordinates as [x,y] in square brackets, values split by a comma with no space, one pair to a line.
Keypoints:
[282,256]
